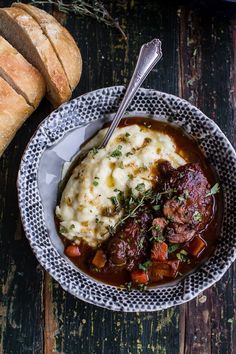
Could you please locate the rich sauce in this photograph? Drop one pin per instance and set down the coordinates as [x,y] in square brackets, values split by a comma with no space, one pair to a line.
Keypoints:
[188,148]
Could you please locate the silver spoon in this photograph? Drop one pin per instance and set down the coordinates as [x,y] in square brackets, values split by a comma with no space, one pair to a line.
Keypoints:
[150,53]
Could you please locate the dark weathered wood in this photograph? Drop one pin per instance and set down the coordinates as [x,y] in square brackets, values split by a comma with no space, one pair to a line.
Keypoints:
[36,314]
[206,66]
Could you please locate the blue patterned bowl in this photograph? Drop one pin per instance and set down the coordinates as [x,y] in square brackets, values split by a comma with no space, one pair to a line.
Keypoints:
[58,140]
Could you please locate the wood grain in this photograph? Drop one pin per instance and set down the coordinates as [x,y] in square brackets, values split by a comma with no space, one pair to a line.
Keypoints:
[36,314]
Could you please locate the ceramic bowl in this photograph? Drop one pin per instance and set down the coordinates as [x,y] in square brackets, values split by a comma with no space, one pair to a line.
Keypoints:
[58,140]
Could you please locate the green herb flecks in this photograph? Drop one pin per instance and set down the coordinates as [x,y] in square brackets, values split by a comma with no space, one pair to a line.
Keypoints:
[174,247]
[94,9]
[183,256]
[117,153]
[197,216]
[144,266]
[214,190]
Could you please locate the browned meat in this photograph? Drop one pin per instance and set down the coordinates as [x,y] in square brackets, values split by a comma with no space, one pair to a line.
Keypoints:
[128,247]
[189,205]
[158,226]
[179,233]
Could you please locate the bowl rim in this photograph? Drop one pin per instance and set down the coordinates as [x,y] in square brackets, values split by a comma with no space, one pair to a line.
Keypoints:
[44,263]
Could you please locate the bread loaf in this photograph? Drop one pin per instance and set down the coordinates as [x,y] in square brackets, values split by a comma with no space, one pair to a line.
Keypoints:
[20,74]
[24,33]
[63,43]
[13,112]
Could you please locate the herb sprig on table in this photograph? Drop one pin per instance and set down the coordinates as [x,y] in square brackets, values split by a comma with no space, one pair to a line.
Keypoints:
[94,9]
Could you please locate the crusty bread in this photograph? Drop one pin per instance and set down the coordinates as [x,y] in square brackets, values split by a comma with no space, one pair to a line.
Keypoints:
[20,74]
[13,112]
[24,33]
[63,43]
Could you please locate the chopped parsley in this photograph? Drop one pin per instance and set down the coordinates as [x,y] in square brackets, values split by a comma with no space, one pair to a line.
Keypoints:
[142,287]
[214,190]
[144,266]
[160,238]
[72,226]
[127,134]
[114,201]
[183,256]
[95,183]
[172,248]
[156,207]
[94,150]
[120,164]
[130,176]
[117,152]
[128,286]
[140,187]
[197,216]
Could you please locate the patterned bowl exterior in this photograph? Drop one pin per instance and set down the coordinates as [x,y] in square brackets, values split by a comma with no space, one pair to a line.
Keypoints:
[91,107]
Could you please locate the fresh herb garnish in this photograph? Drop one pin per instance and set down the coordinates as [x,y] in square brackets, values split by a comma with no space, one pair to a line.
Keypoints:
[142,287]
[117,152]
[144,266]
[159,238]
[63,229]
[95,10]
[94,150]
[130,176]
[114,201]
[183,256]
[128,286]
[173,248]
[156,207]
[72,226]
[214,190]
[120,164]
[129,153]
[197,216]
[127,134]
[140,187]
[95,183]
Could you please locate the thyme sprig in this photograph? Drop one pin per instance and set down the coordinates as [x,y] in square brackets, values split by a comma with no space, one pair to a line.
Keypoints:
[94,9]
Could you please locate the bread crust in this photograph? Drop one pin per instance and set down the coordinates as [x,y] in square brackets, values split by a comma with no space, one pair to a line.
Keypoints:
[26,78]
[14,110]
[61,40]
[58,90]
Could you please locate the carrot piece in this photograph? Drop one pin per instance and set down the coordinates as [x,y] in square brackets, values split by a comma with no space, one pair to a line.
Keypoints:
[72,251]
[159,251]
[196,246]
[99,260]
[159,270]
[139,276]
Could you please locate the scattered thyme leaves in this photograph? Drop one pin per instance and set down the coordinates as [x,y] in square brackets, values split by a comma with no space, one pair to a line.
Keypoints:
[197,216]
[140,187]
[172,248]
[214,190]
[144,266]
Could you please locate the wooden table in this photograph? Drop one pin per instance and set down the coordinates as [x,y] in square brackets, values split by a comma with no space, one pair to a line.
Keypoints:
[36,315]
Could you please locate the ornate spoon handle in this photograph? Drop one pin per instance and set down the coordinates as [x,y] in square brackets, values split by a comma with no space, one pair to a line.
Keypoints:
[150,53]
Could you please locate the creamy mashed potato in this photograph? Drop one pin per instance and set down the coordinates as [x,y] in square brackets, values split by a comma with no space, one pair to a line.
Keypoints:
[129,159]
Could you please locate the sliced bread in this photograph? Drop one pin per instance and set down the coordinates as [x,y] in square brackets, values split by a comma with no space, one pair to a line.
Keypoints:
[24,33]
[13,112]
[63,43]
[20,74]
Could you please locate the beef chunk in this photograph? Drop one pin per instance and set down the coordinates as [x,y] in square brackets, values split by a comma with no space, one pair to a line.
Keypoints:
[179,233]
[128,247]
[188,204]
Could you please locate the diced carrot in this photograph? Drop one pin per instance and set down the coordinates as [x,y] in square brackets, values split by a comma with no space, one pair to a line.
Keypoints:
[99,260]
[139,276]
[159,251]
[196,246]
[72,251]
[159,270]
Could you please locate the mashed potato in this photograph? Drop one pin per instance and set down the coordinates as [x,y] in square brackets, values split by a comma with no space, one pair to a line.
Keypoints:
[127,161]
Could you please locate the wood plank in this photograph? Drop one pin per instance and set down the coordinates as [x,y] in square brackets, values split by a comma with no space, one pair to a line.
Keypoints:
[206,65]
[21,277]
